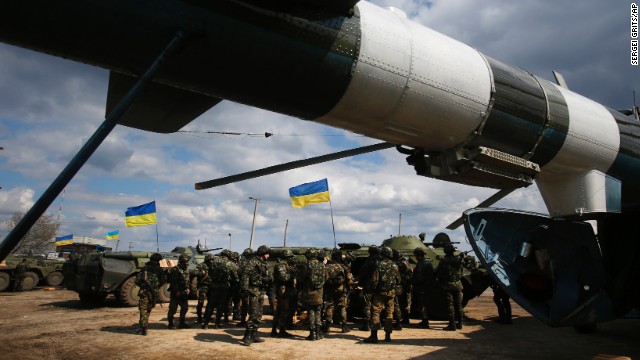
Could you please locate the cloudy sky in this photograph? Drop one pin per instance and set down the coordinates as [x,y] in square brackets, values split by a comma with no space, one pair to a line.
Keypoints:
[50,106]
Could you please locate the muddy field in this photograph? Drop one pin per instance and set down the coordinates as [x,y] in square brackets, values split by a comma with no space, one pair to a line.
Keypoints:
[51,324]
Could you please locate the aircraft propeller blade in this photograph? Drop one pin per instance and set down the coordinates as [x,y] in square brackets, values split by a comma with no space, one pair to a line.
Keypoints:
[488,202]
[291,165]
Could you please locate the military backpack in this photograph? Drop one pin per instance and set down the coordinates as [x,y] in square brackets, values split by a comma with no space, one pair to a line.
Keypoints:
[219,272]
[335,274]
[387,275]
[316,275]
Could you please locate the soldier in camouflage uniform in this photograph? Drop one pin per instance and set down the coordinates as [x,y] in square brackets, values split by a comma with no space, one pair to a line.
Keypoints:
[310,282]
[19,275]
[149,279]
[423,279]
[385,279]
[402,303]
[284,284]
[255,277]
[247,254]
[202,274]
[233,306]
[222,274]
[365,280]
[179,288]
[336,291]
[449,273]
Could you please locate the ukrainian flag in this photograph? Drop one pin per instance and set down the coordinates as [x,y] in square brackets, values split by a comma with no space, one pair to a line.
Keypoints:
[141,215]
[64,240]
[113,235]
[310,193]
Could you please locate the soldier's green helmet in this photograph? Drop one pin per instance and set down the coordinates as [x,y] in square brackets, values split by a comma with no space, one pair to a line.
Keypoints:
[336,255]
[226,253]
[287,254]
[418,251]
[396,254]
[422,236]
[441,239]
[184,258]
[208,257]
[386,252]
[155,257]
[373,250]
[311,253]
[235,256]
[263,249]
[449,249]
[247,252]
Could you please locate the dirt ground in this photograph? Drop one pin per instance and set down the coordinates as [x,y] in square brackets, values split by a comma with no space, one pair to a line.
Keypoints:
[43,324]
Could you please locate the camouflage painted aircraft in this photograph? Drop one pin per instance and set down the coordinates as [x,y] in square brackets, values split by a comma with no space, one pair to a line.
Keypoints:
[457,114]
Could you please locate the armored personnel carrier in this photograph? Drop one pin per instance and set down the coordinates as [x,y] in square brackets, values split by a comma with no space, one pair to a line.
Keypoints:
[40,269]
[96,275]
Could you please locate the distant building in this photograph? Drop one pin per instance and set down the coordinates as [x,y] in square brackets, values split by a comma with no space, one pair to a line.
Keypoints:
[83,244]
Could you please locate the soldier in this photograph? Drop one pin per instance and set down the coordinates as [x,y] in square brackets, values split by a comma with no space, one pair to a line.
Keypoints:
[19,275]
[202,274]
[336,290]
[423,278]
[365,280]
[501,299]
[179,288]
[222,274]
[247,254]
[385,279]
[234,291]
[402,303]
[255,277]
[284,284]
[449,273]
[149,279]
[310,282]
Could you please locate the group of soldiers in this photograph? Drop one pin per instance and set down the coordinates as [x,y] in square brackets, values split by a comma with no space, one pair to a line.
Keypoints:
[233,284]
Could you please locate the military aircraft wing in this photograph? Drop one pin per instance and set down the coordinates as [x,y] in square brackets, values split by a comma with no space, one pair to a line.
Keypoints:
[553,268]
[161,108]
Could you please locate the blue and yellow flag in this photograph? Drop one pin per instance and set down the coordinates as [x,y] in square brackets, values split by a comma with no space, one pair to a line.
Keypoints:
[141,215]
[309,193]
[64,240]
[113,235]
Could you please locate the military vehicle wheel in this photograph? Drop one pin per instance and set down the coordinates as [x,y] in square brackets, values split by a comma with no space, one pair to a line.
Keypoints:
[54,278]
[163,293]
[5,280]
[128,293]
[91,299]
[30,280]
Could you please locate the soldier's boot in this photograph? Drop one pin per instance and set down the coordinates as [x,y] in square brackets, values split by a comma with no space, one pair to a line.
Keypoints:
[501,316]
[388,329]
[398,325]
[255,338]
[345,328]
[373,338]
[274,329]
[325,326]
[283,332]
[142,331]
[387,336]
[450,327]
[183,324]
[405,318]
[424,324]
[312,334]
[246,339]
[459,322]
[217,323]
[171,325]
[236,315]
[199,314]
[319,334]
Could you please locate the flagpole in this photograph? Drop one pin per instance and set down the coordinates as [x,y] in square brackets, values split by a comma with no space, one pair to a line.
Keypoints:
[332,225]
[157,241]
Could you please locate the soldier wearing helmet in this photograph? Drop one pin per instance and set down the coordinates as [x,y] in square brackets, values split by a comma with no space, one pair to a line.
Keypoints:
[202,275]
[365,281]
[449,273]
[402,304]
[336,292]
[284,286]
[247,254]
[234,291]
[179,287]
[223,274]
[310,281]
[149,279]
[385,279]
[422,280]
[254,283]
